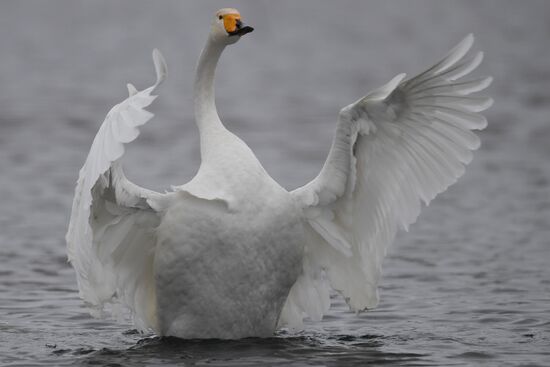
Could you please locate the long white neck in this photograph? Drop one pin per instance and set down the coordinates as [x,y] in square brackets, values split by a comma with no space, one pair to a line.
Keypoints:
[206,115]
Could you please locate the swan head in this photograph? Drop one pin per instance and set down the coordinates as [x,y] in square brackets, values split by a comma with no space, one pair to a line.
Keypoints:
[227,27]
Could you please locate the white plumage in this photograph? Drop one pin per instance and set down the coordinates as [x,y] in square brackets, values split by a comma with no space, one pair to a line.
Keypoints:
[231,253]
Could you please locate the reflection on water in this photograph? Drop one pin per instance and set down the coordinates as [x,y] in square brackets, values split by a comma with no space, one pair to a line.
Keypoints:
[280,350]
[470,284]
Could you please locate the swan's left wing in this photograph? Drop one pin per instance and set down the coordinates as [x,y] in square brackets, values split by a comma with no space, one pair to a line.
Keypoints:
[110,241]
[403,143]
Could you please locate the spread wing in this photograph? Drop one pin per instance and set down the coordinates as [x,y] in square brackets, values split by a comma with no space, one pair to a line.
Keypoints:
[110,241]
[402,144]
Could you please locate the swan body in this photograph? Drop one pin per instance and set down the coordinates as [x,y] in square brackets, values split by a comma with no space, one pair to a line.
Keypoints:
[232,254]
[231,282]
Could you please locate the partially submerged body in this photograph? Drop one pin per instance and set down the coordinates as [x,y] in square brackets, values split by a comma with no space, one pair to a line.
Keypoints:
[232,254]
[224,273]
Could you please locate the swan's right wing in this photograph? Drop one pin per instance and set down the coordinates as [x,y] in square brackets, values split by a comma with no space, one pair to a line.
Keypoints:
[110,241]
[402,144]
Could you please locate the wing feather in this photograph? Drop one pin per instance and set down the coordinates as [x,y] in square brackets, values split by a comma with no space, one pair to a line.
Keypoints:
[405,143]
[110,240]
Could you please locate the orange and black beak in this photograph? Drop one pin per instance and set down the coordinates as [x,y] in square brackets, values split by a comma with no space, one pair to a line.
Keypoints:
[234,26]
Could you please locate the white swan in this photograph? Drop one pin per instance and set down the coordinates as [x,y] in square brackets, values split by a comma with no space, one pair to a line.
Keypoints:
[232,254]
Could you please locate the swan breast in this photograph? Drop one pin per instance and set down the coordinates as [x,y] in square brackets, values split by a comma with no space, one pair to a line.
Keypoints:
[226,273]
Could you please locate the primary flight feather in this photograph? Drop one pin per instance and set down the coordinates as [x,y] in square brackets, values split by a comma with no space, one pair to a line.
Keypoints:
[232,254]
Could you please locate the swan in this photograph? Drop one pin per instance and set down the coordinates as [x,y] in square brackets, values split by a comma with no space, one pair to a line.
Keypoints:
[232,254]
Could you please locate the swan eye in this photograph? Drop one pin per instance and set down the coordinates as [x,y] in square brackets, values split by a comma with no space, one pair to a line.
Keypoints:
[220,17]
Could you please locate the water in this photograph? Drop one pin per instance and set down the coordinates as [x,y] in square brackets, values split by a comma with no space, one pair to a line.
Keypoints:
[470,283]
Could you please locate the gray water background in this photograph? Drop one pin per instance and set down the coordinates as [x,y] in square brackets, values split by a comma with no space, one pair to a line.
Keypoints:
[468,285]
